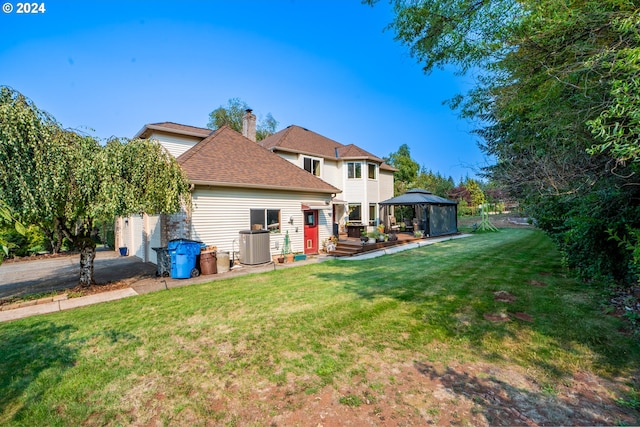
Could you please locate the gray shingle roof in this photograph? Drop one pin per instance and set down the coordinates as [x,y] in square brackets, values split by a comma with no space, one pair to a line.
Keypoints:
[417,197]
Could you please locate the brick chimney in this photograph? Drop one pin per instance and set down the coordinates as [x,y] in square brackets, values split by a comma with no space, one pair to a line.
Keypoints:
[249,125]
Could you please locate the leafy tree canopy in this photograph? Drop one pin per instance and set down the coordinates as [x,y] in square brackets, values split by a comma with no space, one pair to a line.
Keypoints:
[434,182]
[231,115]
[557,101]
[407,173]
[64,181]
[7,217]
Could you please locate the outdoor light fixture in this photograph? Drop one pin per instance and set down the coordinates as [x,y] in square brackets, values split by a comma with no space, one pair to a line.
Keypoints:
[291,220]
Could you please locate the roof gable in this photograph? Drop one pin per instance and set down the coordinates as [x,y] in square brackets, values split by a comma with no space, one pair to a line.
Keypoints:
[227,158]
[296,139]
[173,128]
[300,140]
[354,152]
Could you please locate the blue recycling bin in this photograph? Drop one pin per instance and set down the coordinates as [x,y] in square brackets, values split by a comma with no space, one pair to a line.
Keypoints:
[183,253]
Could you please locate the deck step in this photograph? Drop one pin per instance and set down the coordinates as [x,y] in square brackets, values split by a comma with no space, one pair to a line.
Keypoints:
[347,247]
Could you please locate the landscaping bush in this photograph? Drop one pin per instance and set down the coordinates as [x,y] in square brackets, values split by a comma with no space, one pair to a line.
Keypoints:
[23,245]
[594,233]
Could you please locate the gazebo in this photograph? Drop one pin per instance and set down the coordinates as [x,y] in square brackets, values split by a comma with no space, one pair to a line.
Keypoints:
[431,214]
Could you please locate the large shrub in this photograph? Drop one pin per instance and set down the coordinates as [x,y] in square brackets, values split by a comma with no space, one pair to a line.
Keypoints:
[595,233]
[19,245]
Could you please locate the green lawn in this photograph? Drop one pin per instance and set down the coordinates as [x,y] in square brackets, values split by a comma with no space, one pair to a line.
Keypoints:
[173,357]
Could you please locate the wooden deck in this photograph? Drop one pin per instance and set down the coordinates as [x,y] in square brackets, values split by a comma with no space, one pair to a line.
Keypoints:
[348,246]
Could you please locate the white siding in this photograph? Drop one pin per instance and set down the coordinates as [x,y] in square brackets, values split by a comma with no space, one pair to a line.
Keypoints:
[220,213]
[136,247]
[332,173]
[363,190]
[125,236]
[354,191]
[292,157]
[154,236]
[139,234]
[175,145]
[386,185]
[373,191]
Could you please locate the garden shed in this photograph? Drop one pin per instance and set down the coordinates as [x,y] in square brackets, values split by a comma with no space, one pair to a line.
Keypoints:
[421,210]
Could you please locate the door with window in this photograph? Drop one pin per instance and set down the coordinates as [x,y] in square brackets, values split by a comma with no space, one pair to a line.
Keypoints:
[311,232]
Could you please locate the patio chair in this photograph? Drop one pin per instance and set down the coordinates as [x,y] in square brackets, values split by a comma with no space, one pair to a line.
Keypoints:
[393,226]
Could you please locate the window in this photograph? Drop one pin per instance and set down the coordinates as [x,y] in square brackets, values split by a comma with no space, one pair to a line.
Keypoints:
[355,212]
[268,219]
[312,165]
[372,213]
[309,219]
[372,170]
[354,170]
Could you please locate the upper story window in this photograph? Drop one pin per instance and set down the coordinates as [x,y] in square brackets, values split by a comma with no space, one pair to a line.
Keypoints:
[354,170]
[312,165]
[372,171]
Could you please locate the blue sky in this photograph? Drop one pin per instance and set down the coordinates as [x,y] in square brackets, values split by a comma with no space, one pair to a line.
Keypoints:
[112,66]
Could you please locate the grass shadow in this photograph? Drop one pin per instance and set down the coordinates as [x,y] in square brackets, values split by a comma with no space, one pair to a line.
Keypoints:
[506,404]
[32,354]
[449,289]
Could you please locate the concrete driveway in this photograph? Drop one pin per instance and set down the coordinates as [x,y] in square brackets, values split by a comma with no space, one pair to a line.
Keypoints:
[44,275]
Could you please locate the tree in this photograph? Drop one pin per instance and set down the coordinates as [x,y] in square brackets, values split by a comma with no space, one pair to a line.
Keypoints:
[232,114]
[470,192]
[476,195]
[556,95]
[466,33]
[7,217]
[405,178]
[63,181]
[434,182]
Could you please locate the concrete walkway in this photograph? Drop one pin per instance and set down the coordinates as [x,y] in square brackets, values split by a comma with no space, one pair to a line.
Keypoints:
[153,284]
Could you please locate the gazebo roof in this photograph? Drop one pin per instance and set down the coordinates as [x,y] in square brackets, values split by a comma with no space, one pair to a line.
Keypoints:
[418,196]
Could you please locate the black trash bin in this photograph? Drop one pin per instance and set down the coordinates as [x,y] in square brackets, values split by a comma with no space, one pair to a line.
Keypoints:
[164,262]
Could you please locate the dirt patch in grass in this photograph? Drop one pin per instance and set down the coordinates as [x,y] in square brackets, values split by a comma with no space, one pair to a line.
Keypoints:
[419,393]
[537,283]
[503,296]
[496,317]
[523,316]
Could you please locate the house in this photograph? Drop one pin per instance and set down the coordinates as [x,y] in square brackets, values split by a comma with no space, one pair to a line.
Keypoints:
[237,185]
[296,183]
[364,179]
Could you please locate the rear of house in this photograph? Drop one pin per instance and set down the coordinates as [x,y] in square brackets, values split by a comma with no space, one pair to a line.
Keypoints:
[364,179]
[236,185]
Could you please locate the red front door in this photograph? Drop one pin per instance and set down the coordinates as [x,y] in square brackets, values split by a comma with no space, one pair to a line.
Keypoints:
[310,232]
